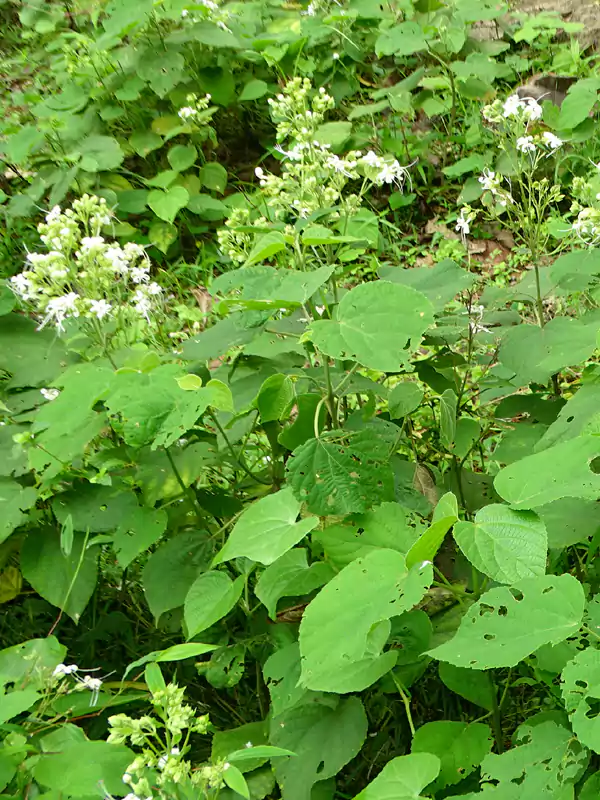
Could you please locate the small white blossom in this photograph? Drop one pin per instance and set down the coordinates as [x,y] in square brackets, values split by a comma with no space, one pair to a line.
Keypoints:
[336,56]
[532,109]
[90,242]
[248,744]
[126,778]
[60,308]
[372,159]
[53,215]
[140,274]
[52,394]
[61,669]
[22,286]
[489,181]
[186,112]
[512,106]
[100,308]
[525,144]
[463,224]
[154,289]
[553,141]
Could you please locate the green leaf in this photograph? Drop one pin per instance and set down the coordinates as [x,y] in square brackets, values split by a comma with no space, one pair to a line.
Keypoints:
[267,529]
[403,778]
[476,687]
[509,623]
[580,100]
[303,427]
[177,652]
[81,768]
[212,595]
[210,34]
[448,404]
[167,204]
[335,134]
[386,526]
[564,470]
[265,247]
[401,40]
[275,398]
[207,207]
[153,678]
[214,177]
[16,702]
[220,338]
[575,271]
[281,674]
[162,235]
[161,74]
[67,583]
[427,545]
[253,90]
[440,283]
[7,300]
[324,739]
[20,146]
[352,477]
[344,629]
[172,569]
[99,153]
[236,781]
[579,687]
[29,356]
[576,417]
[534,354]
[377,324]
[260,751]
[27,664]
[182,157]
[404,398]
[505,544]
[15,500]
[144,142]
[570,520]
[461,747]
[249,738]
[290,576]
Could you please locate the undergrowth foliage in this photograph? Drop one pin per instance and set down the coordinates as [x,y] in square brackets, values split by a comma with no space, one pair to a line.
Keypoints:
[295,501]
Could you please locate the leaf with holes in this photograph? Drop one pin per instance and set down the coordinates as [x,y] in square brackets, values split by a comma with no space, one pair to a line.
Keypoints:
[508,623]
[336,478]
[581,695]
[267,529]
[460,746]
[403,778]
[324,738]
[565,470]
[344,629]
[505,544]
[378,324]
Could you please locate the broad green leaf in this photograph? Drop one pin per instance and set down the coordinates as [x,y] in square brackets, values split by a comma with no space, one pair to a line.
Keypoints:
[177,652]
[468,431]
[509,623]
[226,334]
[564,470]
[266,246]
[580,680]
[267,529]
[581,98]
[144,142]
[334,478]
[576,270]
[505,544]
[236,781]
[324,739]
[80,769]
[27,664]
[210,34]
[476,687]
[290,576]
[212,595]
[377,324]
[386,526]
[207,207]
[167,204]
[67,583]
[99,153]
[303,427]
[162,235]
[182,157]
[214,177]
[172,569]
[253,90]
[427,545]
[461,747]
[16,702]
[154,474]
[19,146]
[30,357]
[344,629]
[335,134]
[448,402]
[440,283]
[161,74]
[404,398]
[11,583]
[591,788]
[403,778]
[265,283]
[250,738]
[570,520]
[401,40]
[15,500]
[275,398]
[534,354]
[281,673]
[576,417]
[7,300]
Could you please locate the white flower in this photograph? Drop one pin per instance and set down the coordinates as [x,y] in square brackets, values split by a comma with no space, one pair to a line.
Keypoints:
[117,259]
[311,9]
[248,744]
[140,274]
[154,289]
[126,778]
[186,112]
[489,181]
[553,142]
[53,215]
[532,109]
[134,250]
[61,669]
[93,684]
[59,308]
[22,286]
[185,12]
[142,303]
[52,394]
[336,56]
[526,144]
[512,106]
[392,172]
[91,242]
[372,159]
[462,224]
[260,173]
[162,762]
[100,308]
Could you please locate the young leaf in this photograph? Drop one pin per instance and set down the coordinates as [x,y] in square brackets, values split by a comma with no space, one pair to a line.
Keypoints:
[182,157]
[580,679]
[267,245]
[404,398]
[340,646]
[475,687]
[377,324]
[177,652]
[448,402]
[267,529]
[236,781]
[508,623]
[253,90]
[324,739]
[401,40]
[504,544]
[403,778]
[275,397]
[460,746]
[214,177]
[212,595]
[167,204]
[430,541]
[290,576]
[564,470]
[154,678]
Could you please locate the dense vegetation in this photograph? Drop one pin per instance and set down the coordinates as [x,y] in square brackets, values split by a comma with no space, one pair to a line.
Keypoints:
[299,403]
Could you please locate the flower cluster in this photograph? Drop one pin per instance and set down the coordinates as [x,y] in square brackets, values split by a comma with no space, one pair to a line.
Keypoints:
[195,106]
[463,222]
[163,738]
[83,682]
[211,11]
[491,183]
[522,109]
[85,276]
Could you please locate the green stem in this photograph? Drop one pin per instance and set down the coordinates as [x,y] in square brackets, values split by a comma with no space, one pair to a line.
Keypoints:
[236,460]
[405,701]
[187,490]
[496,718]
